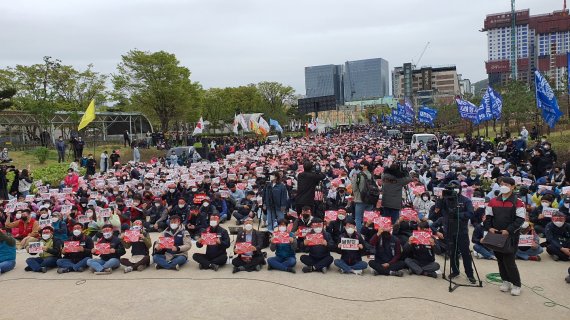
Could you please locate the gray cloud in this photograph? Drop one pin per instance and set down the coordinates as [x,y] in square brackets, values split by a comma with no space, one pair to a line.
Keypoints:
[230,43]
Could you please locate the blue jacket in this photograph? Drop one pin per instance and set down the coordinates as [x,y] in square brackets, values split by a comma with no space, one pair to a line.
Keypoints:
[275,196]
[60,230]
[7,248]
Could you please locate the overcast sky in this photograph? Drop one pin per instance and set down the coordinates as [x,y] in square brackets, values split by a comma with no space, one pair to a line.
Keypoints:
[236,42]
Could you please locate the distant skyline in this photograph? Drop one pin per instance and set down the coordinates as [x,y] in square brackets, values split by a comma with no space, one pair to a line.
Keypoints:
[232,43]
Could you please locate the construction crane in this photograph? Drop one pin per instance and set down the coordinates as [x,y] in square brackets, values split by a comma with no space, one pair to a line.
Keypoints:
[421,55]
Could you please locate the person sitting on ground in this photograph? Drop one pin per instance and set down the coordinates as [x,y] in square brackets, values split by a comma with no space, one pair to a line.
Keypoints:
[7,252]
[216,255]
[351,260]
[27,228]
[221,206]
[158,214]
[533,252]
[422,260]
[387,254]
[480,250]
[319,257]
[538,218]
[422,205]
[337,228]
[107,261]
[76,260]
[173,258]
[302,226]
[244,208]
[140,258]
[252,260]
[196,223]
[59,226]
[51,252]
[284,259]
[558,238]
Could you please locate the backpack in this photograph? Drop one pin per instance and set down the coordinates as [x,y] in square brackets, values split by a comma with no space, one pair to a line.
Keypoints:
[370,193]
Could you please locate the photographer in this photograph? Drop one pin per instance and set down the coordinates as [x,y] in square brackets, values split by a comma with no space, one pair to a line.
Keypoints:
[307,182]
[394,179]
[457,210]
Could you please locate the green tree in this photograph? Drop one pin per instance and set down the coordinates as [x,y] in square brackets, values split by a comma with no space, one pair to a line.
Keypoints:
[277,97]
[156,84]
[6,98]
[518,103]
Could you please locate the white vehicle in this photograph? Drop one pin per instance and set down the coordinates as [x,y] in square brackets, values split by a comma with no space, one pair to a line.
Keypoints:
[424,138]
[273,138]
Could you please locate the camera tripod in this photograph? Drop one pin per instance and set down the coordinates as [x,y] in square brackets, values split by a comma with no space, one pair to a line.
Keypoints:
[453,284]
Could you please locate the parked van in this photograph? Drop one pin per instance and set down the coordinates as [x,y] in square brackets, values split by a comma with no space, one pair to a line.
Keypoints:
[422,137]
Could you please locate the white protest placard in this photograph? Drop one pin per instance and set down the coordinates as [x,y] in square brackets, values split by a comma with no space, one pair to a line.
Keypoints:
[348,244]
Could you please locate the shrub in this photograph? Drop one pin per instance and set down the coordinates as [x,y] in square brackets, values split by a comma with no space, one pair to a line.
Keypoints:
[41,154]
[53,174]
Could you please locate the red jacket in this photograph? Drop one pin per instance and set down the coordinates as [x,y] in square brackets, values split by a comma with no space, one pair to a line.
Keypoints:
[72,182]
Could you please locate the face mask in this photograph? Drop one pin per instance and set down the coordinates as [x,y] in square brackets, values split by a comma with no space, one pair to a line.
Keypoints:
[341,217]
[174,226]
[172,190]
[350,230]
[194,189]
[140,188]
[115,193]
[135,204]
[456,191]
[46,236]
[206,204]
[215,189]
[545,204]
[567,204]
[107,235]
[18,216]
[525,225]
[76,232]
[180,206]
[89,214]
[505,189]
[213,223]
[318,230]
[282,228]
[70,174]
[559,223]
[44,215]
[425,198]
[473,177]
[54,220]
[157,205]
[248,227]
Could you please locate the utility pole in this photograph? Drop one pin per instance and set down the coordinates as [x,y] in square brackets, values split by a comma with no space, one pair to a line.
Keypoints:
[513,42]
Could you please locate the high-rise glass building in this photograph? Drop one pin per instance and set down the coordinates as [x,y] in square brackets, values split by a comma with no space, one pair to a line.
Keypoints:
[366,79]
[325,80]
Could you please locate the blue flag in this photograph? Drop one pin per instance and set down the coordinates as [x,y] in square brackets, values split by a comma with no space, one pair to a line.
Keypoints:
[427,115]
[496,103]
[467,110]
[275,124]
[546,100]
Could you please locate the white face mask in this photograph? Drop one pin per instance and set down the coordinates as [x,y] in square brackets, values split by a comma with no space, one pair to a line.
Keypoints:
[567,204]
[44,215]
[248,227]
[46,236]
[107,235]
[180,206]
[206,204]
[525,225]
[194,189]
[545,204]
[89,214]
[77,233]
[54,220]
[350,231]
[318,230]
[505,189]
[341,217]
[174,226]
[18,216]
[559,223]
[213,223]
[172,190]
[282,228]
[157,205]
[425,198]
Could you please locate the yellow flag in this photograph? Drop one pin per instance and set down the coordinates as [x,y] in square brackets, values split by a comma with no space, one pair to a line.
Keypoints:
[88,116]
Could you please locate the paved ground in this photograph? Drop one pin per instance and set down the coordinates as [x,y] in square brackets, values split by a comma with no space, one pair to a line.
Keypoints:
[195,294]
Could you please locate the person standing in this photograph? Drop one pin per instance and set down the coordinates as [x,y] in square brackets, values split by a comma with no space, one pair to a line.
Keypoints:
[25,183]
[524,133]
[505,215]
[91,163]
[126,138]
[79,145]
[393,181]
[60,146]
[136,154]
[307,182]
[104,164]
[359,181]
[274,200]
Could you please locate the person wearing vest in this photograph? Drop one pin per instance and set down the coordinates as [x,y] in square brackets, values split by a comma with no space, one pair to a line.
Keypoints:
[284,259]
[253,260]
[216,255]
[7,252]
[76,261]
[107,261]
[176,256]
[51,251]
[140,258]
[387,254]
[351,260]
[505,215]
[27,228]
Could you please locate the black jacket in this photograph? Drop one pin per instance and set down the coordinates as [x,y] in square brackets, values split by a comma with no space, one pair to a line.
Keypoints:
[220,249]
[115,244]
[352,256]
[322,251]
[87,244]
[256,240]
[306,185]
